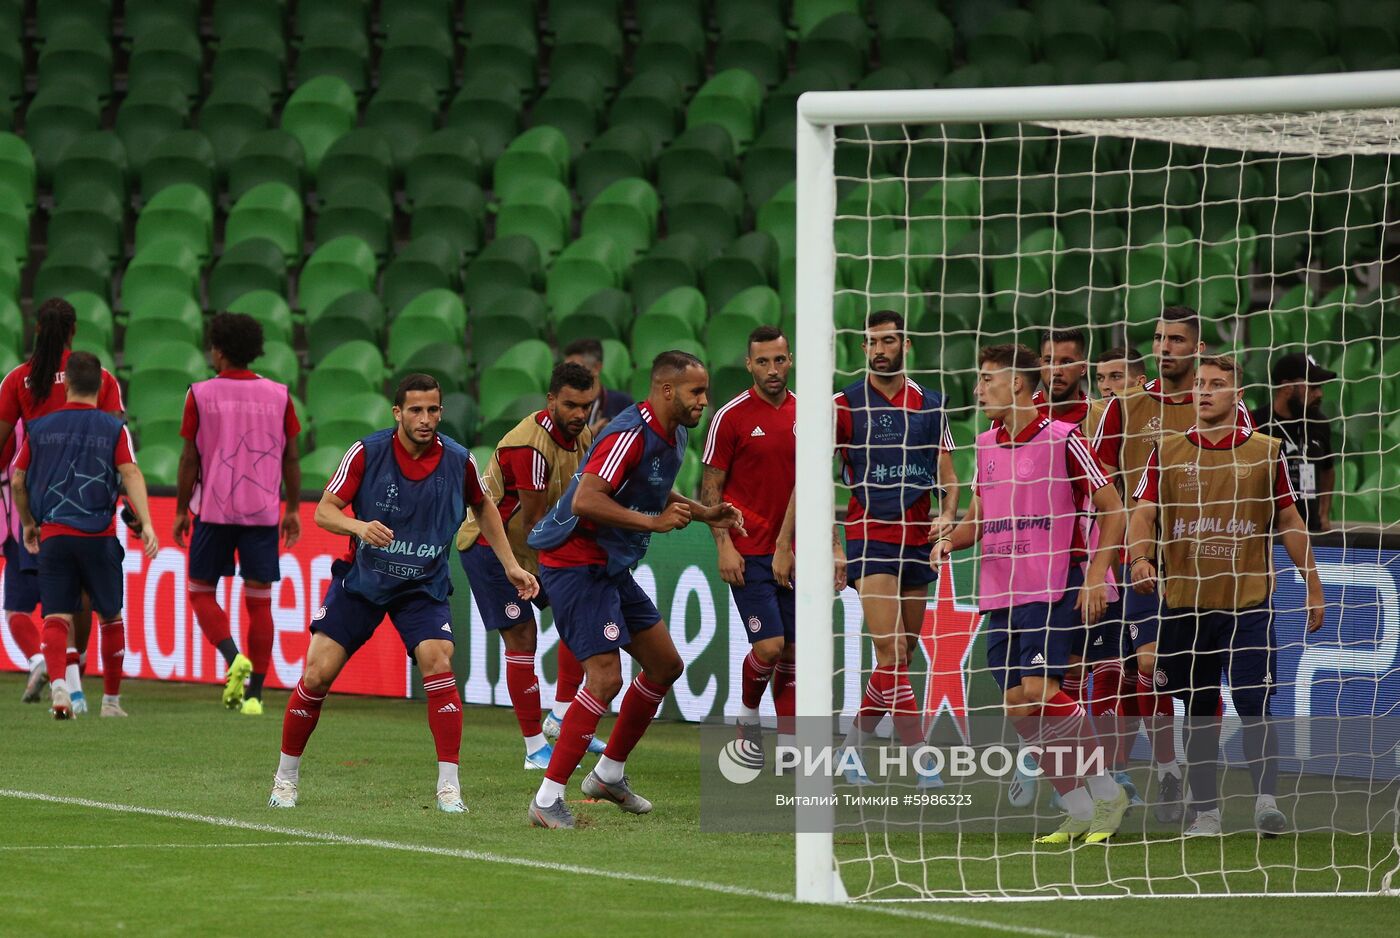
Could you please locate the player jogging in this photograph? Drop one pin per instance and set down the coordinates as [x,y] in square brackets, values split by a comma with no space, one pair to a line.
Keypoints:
[1034,475]
[72,461]
[409,488]
[528,472]
[1214,495]
[240,432]
[751,462]
[589,543]
[896,454]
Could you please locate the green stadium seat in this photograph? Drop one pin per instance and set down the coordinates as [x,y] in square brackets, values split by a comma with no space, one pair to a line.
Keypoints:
[732,99]
[95,325]
[506,318]
[623,152]
[626,212]
[318,113]
[450,153]
[76,266]
[17,171]
[510,263]
[573,105]
[181,212]
[148,114]
[269,210]
[540,153]
[234,111]
[505,45]
[673,262]
[267,156]
[1224,34]
[251,56]
[756,43]
[9,277]
[523,370]
[918,40]
[587,44]
[141,17]
[617,364]
[337,267]
[673,44]
[449,364]
[351,368]
[160,465]
[404,109]
[340,423]
[426,263]
[460,417]
[640,384]
[14,226]
[349,210]
[268,308]
[334,47]
[254,265]
[709,209]
[311,14]
[729,12]
[11,329]
[541,212]
[1008,41]
[591,263]
[1075,34]
[488,107]
[1368,32]
[163,315]
[77,53]
[453,210]
[697,156]
[650,102]
[780,107]
[361,158]
[53,16]
[508,415]
[185,157]
[605,314]
[417,47]
[770,164]
[58,115]
[167,54]
[778,217]
[677,314]
[808,14]
[233,16]
[727,333]
[161,267]
[432,317]
[11,68]
[840,44]
[355,316]
[750,261]
[279,363]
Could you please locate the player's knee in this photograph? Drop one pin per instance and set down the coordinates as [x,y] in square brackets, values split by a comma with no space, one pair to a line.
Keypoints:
[769,650]
[316,680]
[1147,663]
[520,639]
[666,672]
[1037,690]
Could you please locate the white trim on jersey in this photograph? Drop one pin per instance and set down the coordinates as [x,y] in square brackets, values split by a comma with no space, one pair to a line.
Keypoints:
[613,463]
[343,469]
[539,470]
[709,451]
[1141,488]
[1088,462]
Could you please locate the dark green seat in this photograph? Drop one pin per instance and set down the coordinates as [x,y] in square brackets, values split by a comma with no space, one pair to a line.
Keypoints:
[404,109]
[340,423]
[364,213]
[158,314]
[185,157]
[1152,33]
[1224,34]
[675,316]
[1075,34]
[699,155]
[508,263]
[460,417]
[355,316]
[840,44]
[362,158]
[251,55]
[273,156]
[573,105]
[650,102]
[523,370]
[673,44]
[450,153]
[757,44]
[255,264]
[150,113]
[95,321]
[77,53]
[350,368]
[673,262]
[339,266]
[279,363]
[605,314]
[503,44]
[169,54]
[59,114]
[626,212]
[417,47]
[770,164]
[453,210]
[918,40]
[778,217]
[1008,41]
[447,363]
[541,212]
[426,263]
[588,44]
[780,107]
[269,309]
[622,152]
[93,214]
[75,266]
[590,264]
[161,267]
[750,261]
[54,16]
[17,171]
[732,99]
[318,113]
[488,107]
[270,210]
[234,111]
[709,209]
[146,16]
[507,317]
[334,48]
[432,317]
[1368,32]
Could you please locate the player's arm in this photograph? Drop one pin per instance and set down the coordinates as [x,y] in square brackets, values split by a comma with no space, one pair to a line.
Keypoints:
[135,485]
[783,559]
[331,517]
[731,563]
[489,517]
[960,535]
[291,486]
[722,515]
[20,491]
[593,502]
[185,479]
[1294,534]
[948,482]
[1112,521]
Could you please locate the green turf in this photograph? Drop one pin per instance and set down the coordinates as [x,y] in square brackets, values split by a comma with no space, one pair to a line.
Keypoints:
[369,775]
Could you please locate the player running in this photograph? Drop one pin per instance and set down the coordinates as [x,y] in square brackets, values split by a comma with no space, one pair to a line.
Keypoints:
[1034,475]
[31,390]
[240,432]
[528,472]
[72,460]
[896,454]
[409,487]
[589,543]
[1214,495]
[751,462]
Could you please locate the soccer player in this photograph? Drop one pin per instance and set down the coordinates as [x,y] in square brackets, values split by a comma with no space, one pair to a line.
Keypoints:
[611,401]
[240,432]
[1295,418]
[409,488]
[32,389]
[1213,496]
[751,462]
[73,460]
[1115,370]
[1033,476]
[528,472]
[589,542]
[896,454]
[1133,422]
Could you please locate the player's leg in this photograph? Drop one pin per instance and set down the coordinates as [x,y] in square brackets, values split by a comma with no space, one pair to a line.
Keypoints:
[75,658]
[211,557]
[878,587]
[1103,667]
[260,566]
[785,673]
[434,657]
[101,573]
[60,589]
[905,709]
[21,600]
[570,679]
[1250,667]
[1194,672]
[764,626]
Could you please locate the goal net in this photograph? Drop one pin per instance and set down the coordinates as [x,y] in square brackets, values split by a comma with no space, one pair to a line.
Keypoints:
[992,216]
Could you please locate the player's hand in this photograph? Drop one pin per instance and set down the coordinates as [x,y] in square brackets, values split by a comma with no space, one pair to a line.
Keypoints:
[375,534]
[1317,606]
[1144,575]
[291,530]
[839,559]
[939,554]
[783,562]
[31,538]
[731,565]
[675,517]
[150,544]
[524,582]
[725,515]
[182,529]
[1092,600]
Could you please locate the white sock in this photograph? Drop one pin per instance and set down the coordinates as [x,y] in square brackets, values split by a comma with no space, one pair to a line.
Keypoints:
[608,770]
[550,792]
[73,676]
[748,714]
[1168,768]
[1265,801]
[1212,813]
[57,685]
[37,662]
[1102,788]
[447,775]
[289,768]
[535,742]
[561,707]
[112,698]
[1078,803]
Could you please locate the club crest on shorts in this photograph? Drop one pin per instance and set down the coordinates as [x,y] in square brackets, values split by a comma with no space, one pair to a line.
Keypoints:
[318,614]
[512,610]
[1133,630]
[755,623]
[611,631]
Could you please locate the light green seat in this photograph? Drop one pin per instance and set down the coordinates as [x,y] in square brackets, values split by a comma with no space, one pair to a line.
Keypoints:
[318,113]
[14,225]
[354,367]
[358,315]
[522,370]
[337,267]
[508,263]
[340,422]
[159,267]
[605,314]
[270,310]
[678,314]
[727,333]
[164,313]
[540,212]
[733,99]
[626,212]
[778,217]
[271,210]
[432,317]
[181,212]
[540,153]
[591,263]
[76,266]
[95,320]
[319,465]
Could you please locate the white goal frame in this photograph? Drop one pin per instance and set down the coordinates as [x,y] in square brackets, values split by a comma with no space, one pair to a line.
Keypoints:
[819,113]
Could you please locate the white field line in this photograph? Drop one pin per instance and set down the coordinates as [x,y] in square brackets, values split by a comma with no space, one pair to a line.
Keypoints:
[11,848]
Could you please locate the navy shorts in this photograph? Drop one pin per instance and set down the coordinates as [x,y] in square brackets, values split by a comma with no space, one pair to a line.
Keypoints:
[350,620]
[766,609]
[70,565]
[495,596]
[1107,638]
[1035,640]
[1197,646]
[1143,615]
[596,613]
[908,563]
[21,581]
[212,547]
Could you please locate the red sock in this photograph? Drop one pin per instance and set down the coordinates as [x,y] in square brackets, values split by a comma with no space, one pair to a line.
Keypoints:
[639,706]
[113,655]
[212,619]
[755,679]
[1073,685]
[1064,724]
[908,717]
[878,696]
[258,602]
[445,715]
[55,647]
[580,723]
[303,710]
[1158,715]
[785,696]
[524,690]
[26,634]
[570,676]
[1104,707]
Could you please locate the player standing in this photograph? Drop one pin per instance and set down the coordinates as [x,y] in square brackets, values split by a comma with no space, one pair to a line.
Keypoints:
[240,432]
[73,460]
[1033,476]
[1216,493]
[409,488]
[588,543]
[528,472]
[32,389]
[896,454]
[751,463]
[1115,370]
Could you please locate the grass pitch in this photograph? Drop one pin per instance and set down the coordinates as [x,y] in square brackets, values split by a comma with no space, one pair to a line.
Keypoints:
[157,825]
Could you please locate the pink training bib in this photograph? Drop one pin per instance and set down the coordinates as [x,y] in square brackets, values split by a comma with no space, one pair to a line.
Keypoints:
[241,439]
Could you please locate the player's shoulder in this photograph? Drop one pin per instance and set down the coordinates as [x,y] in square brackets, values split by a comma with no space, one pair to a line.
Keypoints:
[928,399]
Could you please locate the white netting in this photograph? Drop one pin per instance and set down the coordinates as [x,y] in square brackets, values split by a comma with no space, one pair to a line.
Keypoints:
[1280,230]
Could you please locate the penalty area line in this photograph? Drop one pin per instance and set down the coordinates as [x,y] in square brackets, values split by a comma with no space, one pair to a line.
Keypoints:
[329,838]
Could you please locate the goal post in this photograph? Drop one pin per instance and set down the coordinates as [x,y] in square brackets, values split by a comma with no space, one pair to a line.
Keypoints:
[819,116]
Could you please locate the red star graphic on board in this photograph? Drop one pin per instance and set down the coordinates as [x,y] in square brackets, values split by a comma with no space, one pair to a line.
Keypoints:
[946,638]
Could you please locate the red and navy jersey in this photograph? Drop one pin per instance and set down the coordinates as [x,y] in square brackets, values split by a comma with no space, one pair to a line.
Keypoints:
[74,481]
[17,399]
[1147,488]
[524,468]
[1108,438]
[755,445]
[889,448]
